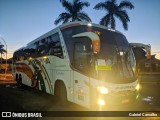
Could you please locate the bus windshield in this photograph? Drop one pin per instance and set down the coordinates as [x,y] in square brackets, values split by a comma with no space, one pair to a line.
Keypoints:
[113,63]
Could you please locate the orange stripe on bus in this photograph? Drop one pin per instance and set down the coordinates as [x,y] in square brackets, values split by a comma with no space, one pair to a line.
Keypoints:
[48,81]
[71,25]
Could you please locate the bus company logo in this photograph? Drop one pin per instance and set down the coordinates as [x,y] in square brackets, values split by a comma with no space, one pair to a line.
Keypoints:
[44,60]
[6,114]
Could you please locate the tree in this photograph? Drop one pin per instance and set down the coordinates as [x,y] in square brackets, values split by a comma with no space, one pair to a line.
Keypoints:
[73,12]
[2,51]
[114,10]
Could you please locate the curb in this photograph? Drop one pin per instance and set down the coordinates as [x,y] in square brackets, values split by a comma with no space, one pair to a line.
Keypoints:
[7,81]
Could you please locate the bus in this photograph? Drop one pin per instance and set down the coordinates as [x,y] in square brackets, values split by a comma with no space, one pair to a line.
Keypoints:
[147,66]
[80,62]
[142,53]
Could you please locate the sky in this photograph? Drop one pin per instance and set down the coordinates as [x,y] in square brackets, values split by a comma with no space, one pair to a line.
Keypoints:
[22,21]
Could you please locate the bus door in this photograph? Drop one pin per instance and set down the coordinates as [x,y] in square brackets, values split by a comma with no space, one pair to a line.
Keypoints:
[82,68]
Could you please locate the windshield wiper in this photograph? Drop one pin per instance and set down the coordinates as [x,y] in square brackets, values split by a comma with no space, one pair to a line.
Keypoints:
[119,61]
[126,57]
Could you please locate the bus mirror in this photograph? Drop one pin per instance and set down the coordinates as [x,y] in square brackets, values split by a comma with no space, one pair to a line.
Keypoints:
[94,37]
[148,55]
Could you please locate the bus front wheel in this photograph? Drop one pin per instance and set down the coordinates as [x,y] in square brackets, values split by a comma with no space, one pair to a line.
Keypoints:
[60,92]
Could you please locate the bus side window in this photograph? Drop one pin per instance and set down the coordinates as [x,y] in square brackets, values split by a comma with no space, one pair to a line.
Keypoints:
[55,47]
[19,55]
[42,47]
[15,57]
[30,51]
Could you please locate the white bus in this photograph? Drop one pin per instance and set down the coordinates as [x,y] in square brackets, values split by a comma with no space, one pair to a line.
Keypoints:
[142,53]
[84,63]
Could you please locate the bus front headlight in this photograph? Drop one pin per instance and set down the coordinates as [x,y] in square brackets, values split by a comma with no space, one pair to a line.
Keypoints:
[137,86]
[101,102]
[103,90]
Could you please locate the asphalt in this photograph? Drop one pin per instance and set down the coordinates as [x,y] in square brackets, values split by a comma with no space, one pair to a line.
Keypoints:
[149,78]
[13,98]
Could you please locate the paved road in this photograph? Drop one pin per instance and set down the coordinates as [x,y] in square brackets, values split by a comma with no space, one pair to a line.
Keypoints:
[13,98]
[149,78]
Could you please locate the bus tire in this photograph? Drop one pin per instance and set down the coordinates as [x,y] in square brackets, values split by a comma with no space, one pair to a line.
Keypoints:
[16,77]
[34,83]
[19,82]
[60,92]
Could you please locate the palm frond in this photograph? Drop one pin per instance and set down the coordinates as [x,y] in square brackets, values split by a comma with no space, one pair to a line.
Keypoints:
[73,11]
[78,6]
[126,4]
[114,10]
[66,19]
[111,5]
[75,1]
[67,5]
[113,25]
[62,17]
[105,20]
[123,13]
[100,6]
[3,51]
[84,16]
[124,21]
[113,2]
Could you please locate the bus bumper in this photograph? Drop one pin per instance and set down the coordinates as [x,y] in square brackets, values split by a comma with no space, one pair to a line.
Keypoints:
[117,100]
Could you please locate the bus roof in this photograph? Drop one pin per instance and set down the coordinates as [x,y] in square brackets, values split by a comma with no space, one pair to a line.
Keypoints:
[64,26]
[76,23]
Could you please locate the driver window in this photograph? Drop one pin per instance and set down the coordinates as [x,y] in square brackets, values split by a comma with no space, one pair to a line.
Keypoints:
[82,56]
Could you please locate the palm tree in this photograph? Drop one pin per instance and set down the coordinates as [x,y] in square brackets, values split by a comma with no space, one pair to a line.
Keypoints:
[114,10]
[2,51]
[73,12]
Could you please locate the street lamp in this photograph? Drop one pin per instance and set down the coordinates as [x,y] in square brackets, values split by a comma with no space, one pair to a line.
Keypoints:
[6,54]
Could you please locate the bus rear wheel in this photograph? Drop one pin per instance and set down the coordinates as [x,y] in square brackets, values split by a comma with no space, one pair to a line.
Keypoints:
[19,80]
[61,93]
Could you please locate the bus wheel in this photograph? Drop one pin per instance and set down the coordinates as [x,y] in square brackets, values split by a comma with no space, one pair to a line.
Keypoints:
[60,92]
[34,83]
[16,77]
[19,81]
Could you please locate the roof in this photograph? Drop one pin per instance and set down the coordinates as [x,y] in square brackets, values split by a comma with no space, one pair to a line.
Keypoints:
[69,25]
[89,24]
[63,26]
